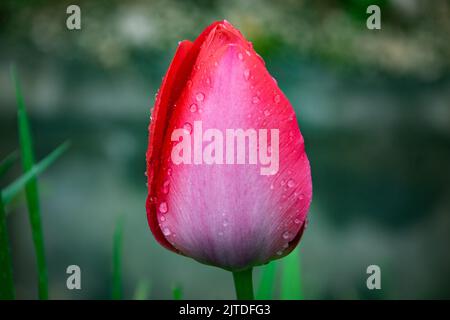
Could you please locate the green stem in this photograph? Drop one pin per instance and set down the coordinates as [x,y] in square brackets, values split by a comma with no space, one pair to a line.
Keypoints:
[243,282]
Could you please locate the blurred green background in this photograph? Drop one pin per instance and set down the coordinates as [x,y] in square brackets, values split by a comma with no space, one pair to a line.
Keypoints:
[373,106]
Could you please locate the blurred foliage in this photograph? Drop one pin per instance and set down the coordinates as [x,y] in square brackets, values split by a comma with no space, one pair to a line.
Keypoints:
[413,41]
[373,107]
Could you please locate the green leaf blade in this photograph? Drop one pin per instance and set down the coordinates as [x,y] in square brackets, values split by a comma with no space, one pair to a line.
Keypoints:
[142,291]
[291,279]
[117,261]
[12,190]
[31,189]
[6,270]
[7,163]
[177,292]
[267,283]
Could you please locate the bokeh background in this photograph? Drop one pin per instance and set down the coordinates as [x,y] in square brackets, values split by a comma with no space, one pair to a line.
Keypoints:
[373,106]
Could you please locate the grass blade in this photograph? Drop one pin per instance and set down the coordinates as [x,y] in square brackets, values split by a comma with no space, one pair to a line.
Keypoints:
[117,260]
[290,279]
[177,292]
[267,282]
[31,189]
[6,274]
[10,192]
[7,163]
[142,291]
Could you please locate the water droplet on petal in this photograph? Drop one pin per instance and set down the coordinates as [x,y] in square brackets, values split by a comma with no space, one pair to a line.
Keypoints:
[246,74]
[165,188]
[188,127]
[240,56]
[280,252]
[163,207]
[162,218]
[291,183]
[277,98]
[297,221]
[193,107]
[267,112]
[166,231]
[169,171]
[255,99]
[225,223]
[286,235]
[200,97]
[291,135]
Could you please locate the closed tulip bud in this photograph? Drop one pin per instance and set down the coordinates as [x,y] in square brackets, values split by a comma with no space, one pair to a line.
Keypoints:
[229,182]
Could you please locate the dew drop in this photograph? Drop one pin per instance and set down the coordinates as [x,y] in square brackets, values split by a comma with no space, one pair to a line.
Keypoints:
[200,97]
[169,172]
[267,112]
[255,99]
[291,135]
[188,127]
[297,221]
[166,231]
[246,74]
[193,107]
[240,56]
[165,188]
[280,252]
[163,207]
[277,98]
[291,183]
[162,218]
[225,223]
[286,235]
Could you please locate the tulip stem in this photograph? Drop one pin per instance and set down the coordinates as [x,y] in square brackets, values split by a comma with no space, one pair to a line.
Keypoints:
[243,282]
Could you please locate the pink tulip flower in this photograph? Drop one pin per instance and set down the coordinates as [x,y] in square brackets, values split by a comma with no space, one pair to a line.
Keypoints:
[208,197]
